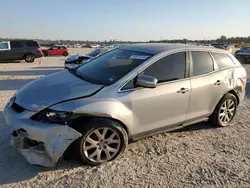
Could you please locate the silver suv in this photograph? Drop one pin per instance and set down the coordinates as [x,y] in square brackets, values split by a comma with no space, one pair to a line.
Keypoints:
[126,94]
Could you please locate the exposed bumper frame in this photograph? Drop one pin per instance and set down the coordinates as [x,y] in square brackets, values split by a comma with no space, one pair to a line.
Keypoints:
[52,139]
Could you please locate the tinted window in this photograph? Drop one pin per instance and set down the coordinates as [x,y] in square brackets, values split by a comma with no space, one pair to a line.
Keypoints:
[32,44]
[15,44]
[223,60]
[169,68]
[111,66]
[202,63]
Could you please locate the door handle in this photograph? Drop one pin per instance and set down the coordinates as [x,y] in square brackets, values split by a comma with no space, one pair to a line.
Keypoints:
[218,82]
[183,90]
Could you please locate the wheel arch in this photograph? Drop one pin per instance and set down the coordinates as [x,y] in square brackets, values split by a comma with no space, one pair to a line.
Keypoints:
[235,94]
[85,119]
[27,54]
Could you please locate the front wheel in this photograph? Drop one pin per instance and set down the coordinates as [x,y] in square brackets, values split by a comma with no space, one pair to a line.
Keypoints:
[103,140]
[224,111]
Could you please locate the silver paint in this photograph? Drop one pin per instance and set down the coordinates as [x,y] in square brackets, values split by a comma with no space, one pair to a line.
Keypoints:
[143,111]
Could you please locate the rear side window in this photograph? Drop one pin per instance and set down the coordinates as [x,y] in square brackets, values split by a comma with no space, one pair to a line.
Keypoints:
[15,44]
[171,67]
[202,63]
[32,44]
[4,46]
[222,60]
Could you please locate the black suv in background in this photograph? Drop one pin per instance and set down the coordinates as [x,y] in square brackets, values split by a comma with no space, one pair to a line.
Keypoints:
[19,50]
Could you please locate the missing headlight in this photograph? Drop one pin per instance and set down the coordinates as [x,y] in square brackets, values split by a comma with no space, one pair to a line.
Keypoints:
[51,116]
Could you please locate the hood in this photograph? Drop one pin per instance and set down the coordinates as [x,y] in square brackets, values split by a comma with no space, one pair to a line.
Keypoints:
[52,89]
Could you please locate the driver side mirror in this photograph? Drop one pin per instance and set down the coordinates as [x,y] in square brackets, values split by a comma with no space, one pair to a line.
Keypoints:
[146,81]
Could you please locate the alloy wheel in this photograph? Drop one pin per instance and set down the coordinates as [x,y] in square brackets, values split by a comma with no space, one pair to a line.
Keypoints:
[101,145]
[227,111]
[29,58]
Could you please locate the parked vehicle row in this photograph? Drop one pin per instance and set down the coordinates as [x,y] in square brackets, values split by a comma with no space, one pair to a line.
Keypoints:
[125,94]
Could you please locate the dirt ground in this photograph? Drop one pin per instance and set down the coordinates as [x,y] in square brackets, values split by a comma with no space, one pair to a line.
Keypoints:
[197,156]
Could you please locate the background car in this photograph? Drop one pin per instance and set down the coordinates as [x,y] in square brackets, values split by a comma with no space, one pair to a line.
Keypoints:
[56,50]
[242,49]
[76,60]
[243,56]
[28,50]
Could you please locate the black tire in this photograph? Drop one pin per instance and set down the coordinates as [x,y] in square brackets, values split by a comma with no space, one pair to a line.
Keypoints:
[99,124]
[29,58]
[65,54]
[215,117]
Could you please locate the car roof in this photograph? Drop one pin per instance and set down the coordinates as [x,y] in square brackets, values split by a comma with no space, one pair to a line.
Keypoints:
[155,48]
[59,45]
[22,40]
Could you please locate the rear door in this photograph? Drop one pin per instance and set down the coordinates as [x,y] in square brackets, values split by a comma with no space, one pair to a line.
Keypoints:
[207,85]
[17,50]
[5,51]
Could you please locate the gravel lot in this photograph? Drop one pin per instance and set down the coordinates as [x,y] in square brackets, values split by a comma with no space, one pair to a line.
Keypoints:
[197,156]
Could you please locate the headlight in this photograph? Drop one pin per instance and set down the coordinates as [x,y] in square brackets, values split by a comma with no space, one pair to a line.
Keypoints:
[52,116]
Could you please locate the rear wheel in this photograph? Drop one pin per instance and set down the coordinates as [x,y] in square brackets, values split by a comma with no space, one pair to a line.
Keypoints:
[103,140]
[65,53]
[224,111]
[29,58]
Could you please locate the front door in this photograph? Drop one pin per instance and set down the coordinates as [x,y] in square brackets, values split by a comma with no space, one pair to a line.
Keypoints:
[165,106]
[53,50]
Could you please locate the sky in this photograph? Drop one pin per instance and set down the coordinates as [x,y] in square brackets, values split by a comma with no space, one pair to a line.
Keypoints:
[127,20]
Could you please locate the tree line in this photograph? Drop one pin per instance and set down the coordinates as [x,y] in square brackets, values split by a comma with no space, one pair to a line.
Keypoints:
[222,39]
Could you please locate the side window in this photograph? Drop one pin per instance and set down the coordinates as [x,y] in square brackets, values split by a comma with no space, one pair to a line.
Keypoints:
[4,46]
[32,44]
[222,60]
[15,44]
[171,67]
[202,63]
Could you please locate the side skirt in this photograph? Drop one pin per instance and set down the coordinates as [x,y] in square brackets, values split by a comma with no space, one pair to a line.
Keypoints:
[164,130]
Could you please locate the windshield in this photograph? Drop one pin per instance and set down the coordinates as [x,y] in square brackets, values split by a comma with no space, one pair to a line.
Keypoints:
[112,66]
[94,53]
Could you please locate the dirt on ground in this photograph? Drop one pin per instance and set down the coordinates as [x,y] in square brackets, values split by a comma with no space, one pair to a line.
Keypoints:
[197,156]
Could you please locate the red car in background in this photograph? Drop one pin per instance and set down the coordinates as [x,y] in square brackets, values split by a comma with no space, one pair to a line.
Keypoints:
[56,50]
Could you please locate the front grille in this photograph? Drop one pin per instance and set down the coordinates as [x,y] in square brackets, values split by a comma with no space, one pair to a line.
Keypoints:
[17,107]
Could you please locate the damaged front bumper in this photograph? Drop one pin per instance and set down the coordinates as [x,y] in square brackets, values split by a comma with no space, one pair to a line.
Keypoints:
[40,143]
[71,66]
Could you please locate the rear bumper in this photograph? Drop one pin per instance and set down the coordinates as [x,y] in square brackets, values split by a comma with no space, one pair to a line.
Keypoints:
[38,55]
[40,143]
